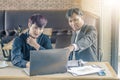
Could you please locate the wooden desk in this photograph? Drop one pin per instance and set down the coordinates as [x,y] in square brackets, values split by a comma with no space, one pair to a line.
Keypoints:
[14,73]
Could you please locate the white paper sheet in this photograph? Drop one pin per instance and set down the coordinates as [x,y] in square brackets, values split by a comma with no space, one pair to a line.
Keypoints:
[3,64]
[84,70]
[75,63]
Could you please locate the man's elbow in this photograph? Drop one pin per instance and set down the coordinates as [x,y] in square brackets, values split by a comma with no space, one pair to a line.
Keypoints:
[17,64]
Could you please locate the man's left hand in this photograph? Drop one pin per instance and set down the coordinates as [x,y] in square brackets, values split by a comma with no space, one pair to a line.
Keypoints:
[32,42]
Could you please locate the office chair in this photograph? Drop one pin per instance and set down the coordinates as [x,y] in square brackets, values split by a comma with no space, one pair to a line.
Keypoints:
[4,39]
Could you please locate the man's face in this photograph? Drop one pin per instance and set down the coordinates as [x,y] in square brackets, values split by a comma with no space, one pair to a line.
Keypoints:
[75,22]
[35,31]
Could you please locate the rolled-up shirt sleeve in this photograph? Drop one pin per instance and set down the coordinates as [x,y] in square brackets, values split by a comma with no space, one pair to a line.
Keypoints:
[17,55]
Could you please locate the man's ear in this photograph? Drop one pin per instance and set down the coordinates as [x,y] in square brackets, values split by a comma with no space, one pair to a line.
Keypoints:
[29,25]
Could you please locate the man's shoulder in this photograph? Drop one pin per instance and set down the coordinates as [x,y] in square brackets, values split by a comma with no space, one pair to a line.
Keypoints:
[88,27]
[20,38]
[23,36]
[43,36]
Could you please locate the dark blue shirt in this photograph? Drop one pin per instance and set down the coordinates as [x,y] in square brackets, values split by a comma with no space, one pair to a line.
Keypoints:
[20,53]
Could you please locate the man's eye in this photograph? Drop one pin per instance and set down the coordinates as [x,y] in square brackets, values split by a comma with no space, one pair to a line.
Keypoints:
[40,28]
[75,19]
[70,21]
[35,27]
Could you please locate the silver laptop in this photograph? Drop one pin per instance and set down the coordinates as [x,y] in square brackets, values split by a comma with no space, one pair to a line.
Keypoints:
[49,61]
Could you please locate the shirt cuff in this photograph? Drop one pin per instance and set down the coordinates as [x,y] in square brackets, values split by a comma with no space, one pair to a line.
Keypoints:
[23,63]
[41,48]
[75,47]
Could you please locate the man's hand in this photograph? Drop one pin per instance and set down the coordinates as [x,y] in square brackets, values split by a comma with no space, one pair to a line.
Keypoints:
[28,65]
[71,48]
[32,42]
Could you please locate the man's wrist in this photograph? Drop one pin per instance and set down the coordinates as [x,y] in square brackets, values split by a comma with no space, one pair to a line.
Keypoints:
[71,48]
[37,46]
[75,47]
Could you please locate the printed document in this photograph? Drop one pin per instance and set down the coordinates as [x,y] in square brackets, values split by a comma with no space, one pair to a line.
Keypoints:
[3,64]
[84,70]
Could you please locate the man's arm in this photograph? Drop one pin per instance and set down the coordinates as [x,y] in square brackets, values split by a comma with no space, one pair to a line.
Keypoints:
[17,55]
[88,39]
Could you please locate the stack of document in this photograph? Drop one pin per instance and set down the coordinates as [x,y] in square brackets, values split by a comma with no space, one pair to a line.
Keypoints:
[76,63]
[84,70]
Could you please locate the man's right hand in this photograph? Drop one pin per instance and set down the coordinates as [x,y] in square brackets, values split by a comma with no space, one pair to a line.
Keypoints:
[33,42]
[71,48]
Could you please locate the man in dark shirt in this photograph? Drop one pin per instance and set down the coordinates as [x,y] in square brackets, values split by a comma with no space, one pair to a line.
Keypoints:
[34,39]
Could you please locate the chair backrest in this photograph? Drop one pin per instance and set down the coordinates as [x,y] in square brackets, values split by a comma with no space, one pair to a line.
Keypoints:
[92,19]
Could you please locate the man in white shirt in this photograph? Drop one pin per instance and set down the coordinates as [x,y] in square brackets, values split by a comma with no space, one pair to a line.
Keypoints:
[84,38]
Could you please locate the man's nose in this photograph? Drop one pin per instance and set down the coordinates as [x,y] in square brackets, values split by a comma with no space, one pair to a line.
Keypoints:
[37,31]
[73,23]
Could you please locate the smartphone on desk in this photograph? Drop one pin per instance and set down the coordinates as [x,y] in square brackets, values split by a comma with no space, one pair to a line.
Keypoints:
[102,73]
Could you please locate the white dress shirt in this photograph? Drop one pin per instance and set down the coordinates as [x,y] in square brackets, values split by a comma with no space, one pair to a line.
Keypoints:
[74,44]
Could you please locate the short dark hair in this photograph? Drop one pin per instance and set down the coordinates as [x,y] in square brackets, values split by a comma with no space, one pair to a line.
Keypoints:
[38,19]
[70,12]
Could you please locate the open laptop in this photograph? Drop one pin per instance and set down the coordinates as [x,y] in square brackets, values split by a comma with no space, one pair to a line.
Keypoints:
[49,61]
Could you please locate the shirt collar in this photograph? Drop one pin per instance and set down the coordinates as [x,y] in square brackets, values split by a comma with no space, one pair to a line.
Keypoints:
[78,31]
